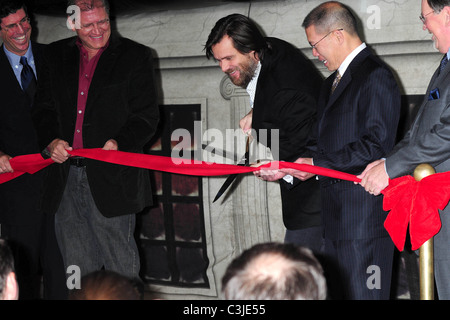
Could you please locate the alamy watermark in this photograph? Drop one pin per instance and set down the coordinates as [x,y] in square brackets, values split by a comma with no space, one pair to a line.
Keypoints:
[74,17]
[218,146]
[73,277]
[374,280]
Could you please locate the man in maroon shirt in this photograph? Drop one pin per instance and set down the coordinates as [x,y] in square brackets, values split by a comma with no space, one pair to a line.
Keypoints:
[97,90]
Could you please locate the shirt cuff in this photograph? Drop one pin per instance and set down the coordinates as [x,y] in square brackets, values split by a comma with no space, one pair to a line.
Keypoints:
[289,179]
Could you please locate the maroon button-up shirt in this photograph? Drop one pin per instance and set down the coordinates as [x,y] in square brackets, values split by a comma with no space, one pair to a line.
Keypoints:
[87,69]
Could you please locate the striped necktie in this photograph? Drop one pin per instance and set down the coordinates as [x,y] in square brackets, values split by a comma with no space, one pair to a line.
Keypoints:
[335,82]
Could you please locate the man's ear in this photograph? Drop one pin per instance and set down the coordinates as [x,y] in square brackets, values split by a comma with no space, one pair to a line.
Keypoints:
[11,290]
[339,36]
[256,55]
[447,15]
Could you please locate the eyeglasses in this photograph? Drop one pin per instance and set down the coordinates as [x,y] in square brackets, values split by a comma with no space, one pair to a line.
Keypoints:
[315,44]
[423,18]
[100,24]
[25,22]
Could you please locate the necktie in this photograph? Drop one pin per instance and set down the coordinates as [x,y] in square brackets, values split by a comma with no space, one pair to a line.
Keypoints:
[28,79]
[443,63]
[335,82]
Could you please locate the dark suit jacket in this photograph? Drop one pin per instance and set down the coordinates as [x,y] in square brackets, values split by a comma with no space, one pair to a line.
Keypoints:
[357,124]
[19,197]
[286,99]
[121,105]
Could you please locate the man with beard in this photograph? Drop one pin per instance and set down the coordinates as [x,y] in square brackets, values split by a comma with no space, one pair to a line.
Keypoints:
[283,87]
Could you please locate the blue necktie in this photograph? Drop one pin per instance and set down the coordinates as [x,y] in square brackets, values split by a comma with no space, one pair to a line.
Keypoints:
[443,63]
[28,79]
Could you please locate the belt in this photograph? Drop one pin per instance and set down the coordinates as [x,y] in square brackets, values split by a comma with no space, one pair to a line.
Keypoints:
[77,161]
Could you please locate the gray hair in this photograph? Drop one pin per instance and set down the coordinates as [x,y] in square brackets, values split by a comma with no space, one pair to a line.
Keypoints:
[87,5]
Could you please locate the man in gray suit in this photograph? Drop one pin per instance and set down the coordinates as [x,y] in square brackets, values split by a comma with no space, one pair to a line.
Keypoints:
[428,139]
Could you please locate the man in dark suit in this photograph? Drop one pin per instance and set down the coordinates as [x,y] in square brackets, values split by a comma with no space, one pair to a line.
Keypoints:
[427,141]
[97,90]
[283,86]
[357,123]
[29,231]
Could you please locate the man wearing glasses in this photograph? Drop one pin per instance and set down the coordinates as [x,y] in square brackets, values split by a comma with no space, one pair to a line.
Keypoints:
[428,139]
[29,230]
[358,114]
[97,90]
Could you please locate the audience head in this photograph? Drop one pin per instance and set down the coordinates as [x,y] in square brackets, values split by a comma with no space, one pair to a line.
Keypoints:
[275,271]
[9,289]
[106,285]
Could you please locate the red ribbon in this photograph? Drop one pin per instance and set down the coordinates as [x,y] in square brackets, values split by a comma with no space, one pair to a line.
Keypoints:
[34,162]
[410,202]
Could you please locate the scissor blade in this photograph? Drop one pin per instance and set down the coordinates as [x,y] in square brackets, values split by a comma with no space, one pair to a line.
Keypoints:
[225,186]
[220,152]
[245,161]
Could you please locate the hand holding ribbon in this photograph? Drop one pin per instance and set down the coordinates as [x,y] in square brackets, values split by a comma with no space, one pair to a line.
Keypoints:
[410,202]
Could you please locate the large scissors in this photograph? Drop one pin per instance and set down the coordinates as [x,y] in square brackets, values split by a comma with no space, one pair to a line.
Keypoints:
[245,161]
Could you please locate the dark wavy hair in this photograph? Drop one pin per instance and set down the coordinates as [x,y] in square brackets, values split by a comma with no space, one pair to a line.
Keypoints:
[243,31]
[8,7]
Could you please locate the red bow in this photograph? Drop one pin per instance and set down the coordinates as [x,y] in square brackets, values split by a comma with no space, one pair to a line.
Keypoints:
[415,203]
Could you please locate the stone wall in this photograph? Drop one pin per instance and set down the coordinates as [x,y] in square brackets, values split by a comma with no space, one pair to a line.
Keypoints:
[252,213]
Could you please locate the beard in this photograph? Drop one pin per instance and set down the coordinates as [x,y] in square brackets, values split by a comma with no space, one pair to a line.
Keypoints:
[246,71]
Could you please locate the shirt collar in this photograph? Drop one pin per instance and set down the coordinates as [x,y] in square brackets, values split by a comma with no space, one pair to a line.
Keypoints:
[14,59]
[344,65]
[84,51]
[251,88]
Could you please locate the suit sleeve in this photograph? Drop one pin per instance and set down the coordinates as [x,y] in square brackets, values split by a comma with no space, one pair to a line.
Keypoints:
[297,115]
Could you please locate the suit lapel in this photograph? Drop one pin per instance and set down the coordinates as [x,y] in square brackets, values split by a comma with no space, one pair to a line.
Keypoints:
[345,81]
[9,76]
[70,72]
[101,73]
[37,54]
[435,81]
[343,84]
